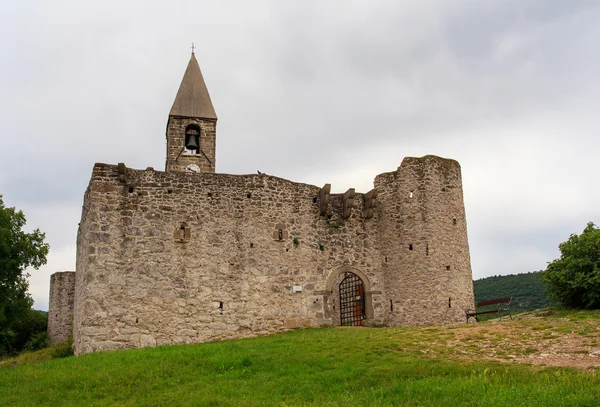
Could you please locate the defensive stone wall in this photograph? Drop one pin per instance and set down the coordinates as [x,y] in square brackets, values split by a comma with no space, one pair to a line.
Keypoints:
[423,241]
[60,311]
[167,257]
[171,257]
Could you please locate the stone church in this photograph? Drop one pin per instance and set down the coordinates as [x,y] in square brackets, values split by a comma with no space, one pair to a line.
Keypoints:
[190,255]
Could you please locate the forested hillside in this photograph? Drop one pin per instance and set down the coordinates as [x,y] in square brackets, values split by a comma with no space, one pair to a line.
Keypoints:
[527,290]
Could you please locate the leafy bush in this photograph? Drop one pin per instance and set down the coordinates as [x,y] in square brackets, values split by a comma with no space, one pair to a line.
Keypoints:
[38,341]
[574,278]
[62,350]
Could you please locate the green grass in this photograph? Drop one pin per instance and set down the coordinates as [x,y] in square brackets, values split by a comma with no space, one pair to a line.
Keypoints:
[433,366]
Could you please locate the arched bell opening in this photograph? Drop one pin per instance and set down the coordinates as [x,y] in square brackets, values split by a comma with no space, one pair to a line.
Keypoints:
[192,139]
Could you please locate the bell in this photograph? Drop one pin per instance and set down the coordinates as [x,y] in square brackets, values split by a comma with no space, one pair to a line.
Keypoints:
[192,142]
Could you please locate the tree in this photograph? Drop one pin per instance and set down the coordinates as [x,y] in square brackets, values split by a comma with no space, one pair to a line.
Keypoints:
[18,250]
[574,278]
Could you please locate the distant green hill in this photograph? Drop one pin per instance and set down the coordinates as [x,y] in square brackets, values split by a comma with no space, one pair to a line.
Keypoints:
[527,290]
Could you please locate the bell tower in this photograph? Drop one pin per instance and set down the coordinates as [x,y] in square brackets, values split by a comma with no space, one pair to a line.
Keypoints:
[191,128]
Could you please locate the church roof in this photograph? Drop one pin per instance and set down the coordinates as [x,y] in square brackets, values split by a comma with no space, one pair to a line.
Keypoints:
[192,98]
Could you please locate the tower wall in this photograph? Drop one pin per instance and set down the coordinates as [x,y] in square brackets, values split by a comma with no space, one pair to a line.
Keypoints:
[177,160]
[60,310]
[421,207]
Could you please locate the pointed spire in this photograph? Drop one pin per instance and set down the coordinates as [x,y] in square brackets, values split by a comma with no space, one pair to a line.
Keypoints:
[192,98]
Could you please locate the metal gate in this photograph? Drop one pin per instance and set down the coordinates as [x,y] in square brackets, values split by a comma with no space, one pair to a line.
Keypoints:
[352,300]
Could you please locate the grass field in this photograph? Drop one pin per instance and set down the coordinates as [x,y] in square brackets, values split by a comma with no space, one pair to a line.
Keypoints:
[474,365]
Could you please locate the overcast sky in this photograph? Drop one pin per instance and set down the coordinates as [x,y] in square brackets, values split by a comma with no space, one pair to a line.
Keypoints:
[315,92]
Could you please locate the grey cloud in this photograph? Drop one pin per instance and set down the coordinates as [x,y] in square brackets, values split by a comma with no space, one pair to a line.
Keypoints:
[316,93]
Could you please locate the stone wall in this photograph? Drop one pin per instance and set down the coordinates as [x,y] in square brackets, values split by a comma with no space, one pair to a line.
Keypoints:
[171,257]
[60,312]
[178,160]
[423,235]
[166,257]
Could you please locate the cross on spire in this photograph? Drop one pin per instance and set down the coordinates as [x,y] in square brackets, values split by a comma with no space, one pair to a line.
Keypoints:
[193,47]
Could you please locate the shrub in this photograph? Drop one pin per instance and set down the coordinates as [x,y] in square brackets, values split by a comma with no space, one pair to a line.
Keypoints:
[62,350]
[38,341]
[574,278]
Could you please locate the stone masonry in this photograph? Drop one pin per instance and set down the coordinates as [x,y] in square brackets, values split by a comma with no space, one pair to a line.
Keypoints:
[60,312]
[190,255]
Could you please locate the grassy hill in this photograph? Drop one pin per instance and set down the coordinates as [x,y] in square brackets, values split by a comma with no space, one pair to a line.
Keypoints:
[487,364]
[527,290]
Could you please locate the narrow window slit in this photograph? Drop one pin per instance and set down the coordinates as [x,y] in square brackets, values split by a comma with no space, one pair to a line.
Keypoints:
[391,306]
[410,246]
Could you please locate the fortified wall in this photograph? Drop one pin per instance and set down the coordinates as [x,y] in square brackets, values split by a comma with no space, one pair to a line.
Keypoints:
[60,311]
[189,255]
[180,258]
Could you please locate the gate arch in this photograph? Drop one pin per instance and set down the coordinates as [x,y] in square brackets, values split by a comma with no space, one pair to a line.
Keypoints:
[360,311]
[352,300]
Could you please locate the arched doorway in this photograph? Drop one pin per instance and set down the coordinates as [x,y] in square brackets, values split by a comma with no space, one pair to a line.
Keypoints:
[349,283]
[352,300]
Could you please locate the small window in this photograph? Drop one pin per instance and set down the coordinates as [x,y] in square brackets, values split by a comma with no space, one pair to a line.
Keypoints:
[182,233]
